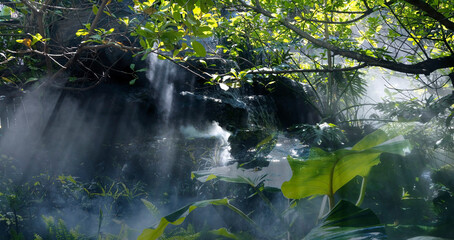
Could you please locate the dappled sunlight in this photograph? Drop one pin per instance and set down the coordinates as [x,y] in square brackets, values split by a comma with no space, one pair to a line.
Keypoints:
[223,119]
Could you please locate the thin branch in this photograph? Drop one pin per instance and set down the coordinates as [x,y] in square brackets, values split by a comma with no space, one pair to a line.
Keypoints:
[408,32]
[446,42]
[55,61]
[368,119]
[424,67]
[356,105]
[431,12]
[316,94]
[79,49]
[38,52]
[112,44]
[62,8]
[365,14]
[185,67]
[347,12]
[366,5]
[13,35]
[7,60]
[29,5]
[307,70]
[96,20]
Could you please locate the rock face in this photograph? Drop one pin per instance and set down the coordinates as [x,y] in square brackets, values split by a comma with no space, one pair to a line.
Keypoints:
[293,104]
[155,131]
[161,101]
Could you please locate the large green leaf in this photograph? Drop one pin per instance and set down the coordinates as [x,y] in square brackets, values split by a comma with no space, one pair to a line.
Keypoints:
[389,132]
[347,221]
[371,140]
[353,164]
[310,177]
[178,217]
[199,49]
[323,173]
[313,176]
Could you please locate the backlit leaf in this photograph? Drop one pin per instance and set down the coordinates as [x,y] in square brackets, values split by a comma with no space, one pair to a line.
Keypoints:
[323,173]
[95,9]
[178,217]
[199,49]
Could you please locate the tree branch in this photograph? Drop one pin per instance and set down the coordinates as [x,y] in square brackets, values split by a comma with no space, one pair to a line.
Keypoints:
[307,70]
[424,67]
[96,20]
[408,32]
[80,48]
[431,12]
[365,14]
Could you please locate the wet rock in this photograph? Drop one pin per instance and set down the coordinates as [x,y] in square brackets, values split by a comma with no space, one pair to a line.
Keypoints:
[252,145]
[293,103]
[205,108]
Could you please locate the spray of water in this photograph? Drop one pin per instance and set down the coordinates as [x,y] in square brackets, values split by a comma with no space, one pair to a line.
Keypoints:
[221,154]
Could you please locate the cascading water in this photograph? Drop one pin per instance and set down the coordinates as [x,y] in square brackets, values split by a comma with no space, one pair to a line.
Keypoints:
[161,74]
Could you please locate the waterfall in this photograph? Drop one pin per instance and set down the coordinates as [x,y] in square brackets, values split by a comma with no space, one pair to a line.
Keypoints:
[161,75]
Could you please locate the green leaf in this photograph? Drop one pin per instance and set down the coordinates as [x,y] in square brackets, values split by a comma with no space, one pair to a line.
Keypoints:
[347,221]
[323,173]
[371,140]
[32,79]
[449,119]
[266,140]
[199,49]
[36,38]
[81,32]
[95,9]
[110,31]
[5,12]
[352,165]
[310,177]
[151,207]
[224,233]
[124,20]
[178,217]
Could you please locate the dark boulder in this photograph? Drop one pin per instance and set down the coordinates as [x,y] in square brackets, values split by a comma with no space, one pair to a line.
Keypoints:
[293,105]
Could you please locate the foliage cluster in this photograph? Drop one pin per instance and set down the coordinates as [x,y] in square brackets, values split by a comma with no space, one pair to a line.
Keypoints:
[53,201]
